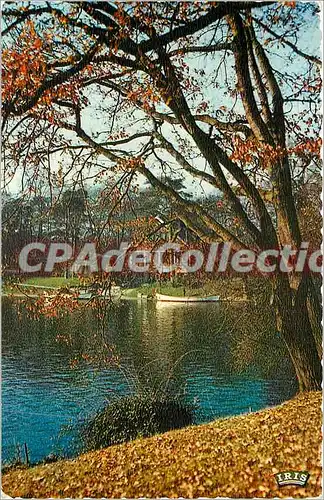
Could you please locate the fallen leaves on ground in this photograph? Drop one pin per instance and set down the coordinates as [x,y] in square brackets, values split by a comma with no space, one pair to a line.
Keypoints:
[235,457]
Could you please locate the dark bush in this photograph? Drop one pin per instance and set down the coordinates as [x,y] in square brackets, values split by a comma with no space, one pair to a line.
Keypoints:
[129,417]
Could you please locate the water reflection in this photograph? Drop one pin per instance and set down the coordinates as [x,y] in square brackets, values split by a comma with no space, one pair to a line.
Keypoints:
[200,350]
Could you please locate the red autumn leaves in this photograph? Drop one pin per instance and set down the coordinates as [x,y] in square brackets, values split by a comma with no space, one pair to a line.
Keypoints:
[248,150]
[26,66]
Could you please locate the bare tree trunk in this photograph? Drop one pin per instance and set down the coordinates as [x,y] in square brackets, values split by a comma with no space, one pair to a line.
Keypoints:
[314,305]
[296,329]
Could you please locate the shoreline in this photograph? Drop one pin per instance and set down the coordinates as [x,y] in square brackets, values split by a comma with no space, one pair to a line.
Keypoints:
[137,294]
[140,299]
[235,291]
[236,456]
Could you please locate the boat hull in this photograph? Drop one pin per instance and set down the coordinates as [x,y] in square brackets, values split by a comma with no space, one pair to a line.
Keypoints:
[186,300]
[114,293]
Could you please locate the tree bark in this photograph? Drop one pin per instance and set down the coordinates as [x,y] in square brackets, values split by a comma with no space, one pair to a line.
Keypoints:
[295,327]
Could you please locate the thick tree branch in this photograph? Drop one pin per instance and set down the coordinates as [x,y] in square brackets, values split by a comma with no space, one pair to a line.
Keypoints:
[277,99]
[208,146]
[236,126]
[203,48]
[244,83]
[261,89]
[214,155]
[215,13]
[280,171]
[22,16]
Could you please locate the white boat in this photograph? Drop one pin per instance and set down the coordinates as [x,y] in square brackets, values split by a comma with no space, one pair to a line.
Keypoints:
[170,298]
[85,295]
[113,293]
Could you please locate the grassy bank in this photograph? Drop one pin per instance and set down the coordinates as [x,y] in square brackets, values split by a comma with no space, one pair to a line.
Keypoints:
[51,281]
[54,281]
[36,284]
[234,457]
[146,289]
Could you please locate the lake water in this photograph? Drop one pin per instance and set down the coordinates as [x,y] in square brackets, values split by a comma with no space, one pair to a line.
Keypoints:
[224,359]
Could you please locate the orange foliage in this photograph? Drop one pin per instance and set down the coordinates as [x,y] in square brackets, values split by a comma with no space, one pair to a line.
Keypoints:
[25,70]
[55,304]
[24,66]
[247,150]
[131,163]
[312,146]
[147,96]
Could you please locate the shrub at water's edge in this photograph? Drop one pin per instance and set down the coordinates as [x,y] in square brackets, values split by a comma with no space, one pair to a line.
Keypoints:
[129,417]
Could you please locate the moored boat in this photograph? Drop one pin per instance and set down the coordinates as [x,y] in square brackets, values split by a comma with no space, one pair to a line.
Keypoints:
[113,293]
[184,299]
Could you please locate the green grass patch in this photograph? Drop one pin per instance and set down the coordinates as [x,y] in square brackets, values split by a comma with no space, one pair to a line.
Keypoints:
[38,282]
[54,281]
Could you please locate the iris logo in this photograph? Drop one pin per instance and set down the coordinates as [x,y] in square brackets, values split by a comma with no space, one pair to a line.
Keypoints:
[293,478]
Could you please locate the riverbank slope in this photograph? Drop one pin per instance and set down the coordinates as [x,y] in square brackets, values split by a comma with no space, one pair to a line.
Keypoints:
[234,457]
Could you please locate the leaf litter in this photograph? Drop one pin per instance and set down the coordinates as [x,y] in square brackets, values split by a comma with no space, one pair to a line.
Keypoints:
[235,457]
